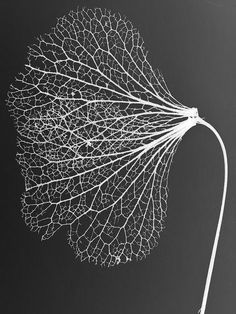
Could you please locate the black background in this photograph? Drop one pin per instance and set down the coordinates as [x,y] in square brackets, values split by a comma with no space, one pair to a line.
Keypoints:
[193,43]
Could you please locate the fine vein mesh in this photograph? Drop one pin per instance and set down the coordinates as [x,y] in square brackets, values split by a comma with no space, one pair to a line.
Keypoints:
[97,131]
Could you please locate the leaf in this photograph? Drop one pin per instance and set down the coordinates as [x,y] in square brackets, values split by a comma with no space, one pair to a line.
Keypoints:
[97,131]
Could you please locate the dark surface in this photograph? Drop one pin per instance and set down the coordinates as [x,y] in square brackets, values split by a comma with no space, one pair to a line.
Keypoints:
[194,44]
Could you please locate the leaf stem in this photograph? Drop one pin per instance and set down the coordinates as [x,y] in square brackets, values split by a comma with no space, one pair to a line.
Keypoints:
[217,235]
